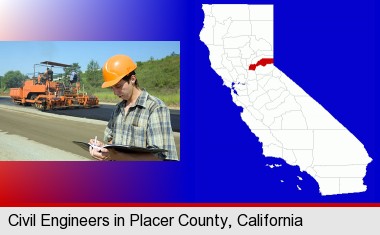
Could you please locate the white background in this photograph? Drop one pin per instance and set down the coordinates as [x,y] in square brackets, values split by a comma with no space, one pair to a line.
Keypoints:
[325,220]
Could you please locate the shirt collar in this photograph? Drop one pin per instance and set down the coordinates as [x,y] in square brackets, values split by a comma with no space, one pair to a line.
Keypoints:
[141,100]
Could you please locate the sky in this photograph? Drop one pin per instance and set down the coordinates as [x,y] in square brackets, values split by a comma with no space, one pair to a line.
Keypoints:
[23,55]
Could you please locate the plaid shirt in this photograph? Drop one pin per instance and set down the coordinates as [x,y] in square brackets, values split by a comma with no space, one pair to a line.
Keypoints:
[146,124]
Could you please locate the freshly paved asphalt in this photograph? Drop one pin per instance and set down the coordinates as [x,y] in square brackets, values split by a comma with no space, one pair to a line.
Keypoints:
[102,113]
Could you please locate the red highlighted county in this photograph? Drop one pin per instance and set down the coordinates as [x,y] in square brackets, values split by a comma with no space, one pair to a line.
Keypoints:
[262,62]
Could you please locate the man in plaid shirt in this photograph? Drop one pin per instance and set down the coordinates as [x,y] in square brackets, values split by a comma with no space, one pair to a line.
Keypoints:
[139,120]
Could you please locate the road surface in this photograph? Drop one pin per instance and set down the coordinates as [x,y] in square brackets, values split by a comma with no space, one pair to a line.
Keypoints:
[29,134]
[102,113]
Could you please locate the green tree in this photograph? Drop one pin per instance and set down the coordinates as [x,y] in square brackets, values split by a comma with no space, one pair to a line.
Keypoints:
[94,74]
[1,82]
[14,79]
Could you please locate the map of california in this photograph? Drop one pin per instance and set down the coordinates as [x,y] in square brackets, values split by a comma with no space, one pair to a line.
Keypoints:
[289,123]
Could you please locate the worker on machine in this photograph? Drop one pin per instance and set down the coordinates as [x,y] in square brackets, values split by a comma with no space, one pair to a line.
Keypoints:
[48,74]
[73,77]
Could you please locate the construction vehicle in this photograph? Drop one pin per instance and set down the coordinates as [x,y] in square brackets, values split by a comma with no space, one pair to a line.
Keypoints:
[45,93]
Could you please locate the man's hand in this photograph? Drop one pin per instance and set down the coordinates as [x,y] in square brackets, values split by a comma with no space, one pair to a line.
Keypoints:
[97,151]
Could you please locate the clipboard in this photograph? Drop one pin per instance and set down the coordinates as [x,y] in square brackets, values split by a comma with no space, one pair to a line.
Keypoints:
[122,148]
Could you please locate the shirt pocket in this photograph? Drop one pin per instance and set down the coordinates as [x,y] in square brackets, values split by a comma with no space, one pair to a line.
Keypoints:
[136,136]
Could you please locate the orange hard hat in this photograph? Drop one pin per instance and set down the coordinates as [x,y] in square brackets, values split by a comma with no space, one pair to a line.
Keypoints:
[115,68]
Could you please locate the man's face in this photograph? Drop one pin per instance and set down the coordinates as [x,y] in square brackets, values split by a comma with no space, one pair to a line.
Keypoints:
[123,90]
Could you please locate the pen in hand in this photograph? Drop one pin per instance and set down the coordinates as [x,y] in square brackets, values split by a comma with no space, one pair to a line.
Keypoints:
[95,144]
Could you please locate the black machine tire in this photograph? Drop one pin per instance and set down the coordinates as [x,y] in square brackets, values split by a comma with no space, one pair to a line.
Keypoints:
[44,105]
[33,97]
